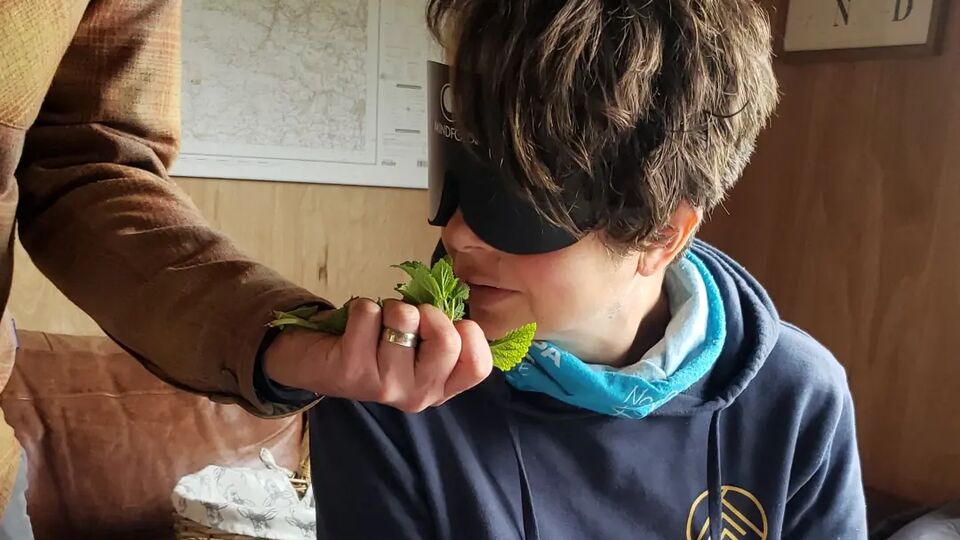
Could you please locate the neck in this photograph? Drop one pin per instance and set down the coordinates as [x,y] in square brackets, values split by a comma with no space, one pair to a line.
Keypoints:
[625,331]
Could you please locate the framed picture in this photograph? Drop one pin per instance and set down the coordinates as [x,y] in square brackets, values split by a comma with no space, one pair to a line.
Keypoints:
[859,29]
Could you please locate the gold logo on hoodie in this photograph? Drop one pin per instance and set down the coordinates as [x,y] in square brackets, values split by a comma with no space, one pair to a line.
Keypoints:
[742,515]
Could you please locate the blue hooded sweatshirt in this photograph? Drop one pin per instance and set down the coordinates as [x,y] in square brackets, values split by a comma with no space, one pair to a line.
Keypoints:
[761,447]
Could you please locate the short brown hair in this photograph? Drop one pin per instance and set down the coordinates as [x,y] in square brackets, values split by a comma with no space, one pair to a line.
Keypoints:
[653,101]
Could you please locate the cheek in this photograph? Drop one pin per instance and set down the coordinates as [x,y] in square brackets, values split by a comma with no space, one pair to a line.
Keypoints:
[560,292]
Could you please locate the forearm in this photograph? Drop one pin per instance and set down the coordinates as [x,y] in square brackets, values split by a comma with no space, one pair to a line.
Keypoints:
[131,250]
[102,220]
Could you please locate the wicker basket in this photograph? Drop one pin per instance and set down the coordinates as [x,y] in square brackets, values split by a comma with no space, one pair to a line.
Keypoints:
[187,529]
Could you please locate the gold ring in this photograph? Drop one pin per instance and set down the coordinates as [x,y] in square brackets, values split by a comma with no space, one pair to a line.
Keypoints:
[403,339]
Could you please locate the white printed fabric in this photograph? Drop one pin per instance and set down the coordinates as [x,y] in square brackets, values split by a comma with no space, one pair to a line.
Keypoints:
[252,502]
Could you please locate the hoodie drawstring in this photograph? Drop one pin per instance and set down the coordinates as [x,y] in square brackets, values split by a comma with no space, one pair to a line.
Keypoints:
[530,529]
[714,480]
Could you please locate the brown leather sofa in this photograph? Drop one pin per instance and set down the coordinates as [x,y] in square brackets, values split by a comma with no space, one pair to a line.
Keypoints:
[107,441]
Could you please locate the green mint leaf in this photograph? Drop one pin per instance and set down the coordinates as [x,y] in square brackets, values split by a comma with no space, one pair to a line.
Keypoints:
[509,350]
[442,272]
[334,323]
[453,292]
[305,312]
[422,287]
[284,320]
[458,301]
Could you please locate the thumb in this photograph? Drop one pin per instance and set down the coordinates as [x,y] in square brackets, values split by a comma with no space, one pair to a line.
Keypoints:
[291,360]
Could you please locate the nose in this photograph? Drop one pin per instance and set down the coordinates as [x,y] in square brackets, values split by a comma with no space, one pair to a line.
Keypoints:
[458,237]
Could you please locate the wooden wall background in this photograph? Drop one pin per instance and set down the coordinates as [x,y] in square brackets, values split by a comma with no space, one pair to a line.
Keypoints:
[849,214]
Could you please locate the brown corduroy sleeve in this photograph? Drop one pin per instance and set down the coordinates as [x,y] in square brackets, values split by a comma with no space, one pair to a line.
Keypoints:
[100,217]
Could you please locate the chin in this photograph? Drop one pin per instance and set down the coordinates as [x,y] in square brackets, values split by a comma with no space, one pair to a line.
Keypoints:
[494,326]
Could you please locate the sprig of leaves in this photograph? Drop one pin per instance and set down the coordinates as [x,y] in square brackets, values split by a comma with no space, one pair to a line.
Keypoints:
[437,286]
[305,317]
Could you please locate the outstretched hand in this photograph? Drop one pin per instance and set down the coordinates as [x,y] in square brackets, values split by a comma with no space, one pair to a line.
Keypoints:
[451,357]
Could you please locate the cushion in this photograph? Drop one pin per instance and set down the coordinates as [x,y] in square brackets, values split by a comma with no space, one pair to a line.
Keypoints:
[941,524]
[106,440]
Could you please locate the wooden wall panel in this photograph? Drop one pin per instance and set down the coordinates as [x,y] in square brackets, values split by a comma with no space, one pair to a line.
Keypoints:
[335,240]
[850,215]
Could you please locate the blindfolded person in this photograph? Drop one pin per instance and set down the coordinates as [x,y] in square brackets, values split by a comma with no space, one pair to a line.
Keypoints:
[576,147]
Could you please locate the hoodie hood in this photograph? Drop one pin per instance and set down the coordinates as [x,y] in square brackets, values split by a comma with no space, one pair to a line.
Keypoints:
[753,328]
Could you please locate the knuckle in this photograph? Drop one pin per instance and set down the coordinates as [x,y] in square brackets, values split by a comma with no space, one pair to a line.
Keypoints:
[415,405]
[415,400]
[429,310]
[364,307]
[480,369]
[430,388]
[478,361]
[448,342]
[475,356]
[476,366]
[404,316]
[405,405]
[467,326]
[387,394]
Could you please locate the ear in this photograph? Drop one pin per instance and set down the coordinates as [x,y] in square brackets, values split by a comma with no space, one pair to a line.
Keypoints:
[673,238]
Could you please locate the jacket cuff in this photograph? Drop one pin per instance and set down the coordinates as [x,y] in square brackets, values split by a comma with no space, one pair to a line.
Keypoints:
[257,394]
[271,391]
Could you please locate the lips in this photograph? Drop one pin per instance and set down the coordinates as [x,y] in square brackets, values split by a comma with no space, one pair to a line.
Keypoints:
[483,290]
[486,295]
